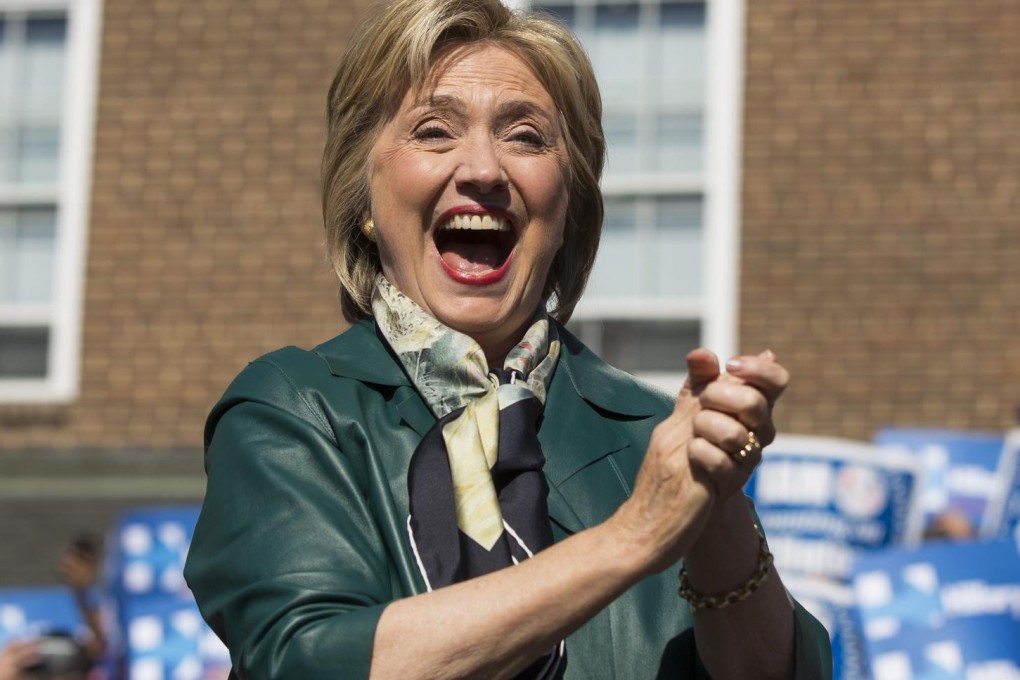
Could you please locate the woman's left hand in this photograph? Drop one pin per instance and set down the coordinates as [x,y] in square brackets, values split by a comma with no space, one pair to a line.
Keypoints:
[733,406]
[727,551]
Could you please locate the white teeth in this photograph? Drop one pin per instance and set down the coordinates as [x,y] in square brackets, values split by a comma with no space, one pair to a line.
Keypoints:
[477,222]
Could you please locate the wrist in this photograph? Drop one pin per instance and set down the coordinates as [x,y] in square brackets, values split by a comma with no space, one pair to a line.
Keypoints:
[727,551]
[700,600]
[632,551]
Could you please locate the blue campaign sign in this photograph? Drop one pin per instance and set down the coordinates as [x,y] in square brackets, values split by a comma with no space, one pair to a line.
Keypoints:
[1003,517]
[167,638]
[945,610]
[831,603]
[158,630]
[964,472]
[976,649]
[27,613]
[148,550]
[823,500]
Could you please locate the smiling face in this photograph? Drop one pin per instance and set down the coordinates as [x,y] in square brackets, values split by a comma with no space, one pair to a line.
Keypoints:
[469,190]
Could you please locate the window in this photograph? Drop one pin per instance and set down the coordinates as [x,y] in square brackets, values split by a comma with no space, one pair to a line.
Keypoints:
[47,74]
[665,278]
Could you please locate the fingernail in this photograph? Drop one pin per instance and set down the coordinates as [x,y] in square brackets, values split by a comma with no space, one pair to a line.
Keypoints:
[734,365]
[769,354]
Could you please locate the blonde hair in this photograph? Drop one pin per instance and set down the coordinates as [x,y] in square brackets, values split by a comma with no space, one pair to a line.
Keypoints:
[395,50]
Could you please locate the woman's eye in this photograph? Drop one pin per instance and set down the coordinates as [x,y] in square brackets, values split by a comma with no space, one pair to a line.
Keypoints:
[529,137]
[430,133]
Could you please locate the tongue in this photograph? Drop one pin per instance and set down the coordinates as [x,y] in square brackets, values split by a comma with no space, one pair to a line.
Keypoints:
[472,258]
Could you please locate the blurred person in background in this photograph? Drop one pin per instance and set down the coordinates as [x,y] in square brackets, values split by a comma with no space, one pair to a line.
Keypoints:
[53,656]
[79,568]
[16,657]
[456,486]
[950,526]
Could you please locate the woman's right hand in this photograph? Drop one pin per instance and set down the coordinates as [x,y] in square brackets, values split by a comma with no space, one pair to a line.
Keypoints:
[691,463]
[672,497]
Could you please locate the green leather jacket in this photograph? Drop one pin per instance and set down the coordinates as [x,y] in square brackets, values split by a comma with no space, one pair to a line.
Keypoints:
[302,540]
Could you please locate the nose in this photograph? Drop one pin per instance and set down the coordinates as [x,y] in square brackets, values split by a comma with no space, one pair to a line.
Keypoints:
[480,165]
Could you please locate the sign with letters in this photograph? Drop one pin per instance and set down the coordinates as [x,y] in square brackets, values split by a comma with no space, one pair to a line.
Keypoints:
[965,473]
[822,501]
[945,610]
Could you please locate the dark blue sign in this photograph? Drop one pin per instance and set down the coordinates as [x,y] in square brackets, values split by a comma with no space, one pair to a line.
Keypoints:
[822,501]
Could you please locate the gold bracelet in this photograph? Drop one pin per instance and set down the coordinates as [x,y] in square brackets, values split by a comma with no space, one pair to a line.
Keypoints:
[739,594]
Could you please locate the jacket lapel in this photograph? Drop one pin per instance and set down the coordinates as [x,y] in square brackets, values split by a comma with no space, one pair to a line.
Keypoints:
[580,427]
[361,354]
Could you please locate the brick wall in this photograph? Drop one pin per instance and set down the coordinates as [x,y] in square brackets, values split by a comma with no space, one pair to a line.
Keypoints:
[880,245]
[205,238]
[881,241]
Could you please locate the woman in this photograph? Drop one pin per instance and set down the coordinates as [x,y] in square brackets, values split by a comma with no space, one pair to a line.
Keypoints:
[456,487]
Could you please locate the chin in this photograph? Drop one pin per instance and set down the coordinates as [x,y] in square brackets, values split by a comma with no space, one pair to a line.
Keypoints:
[488,320]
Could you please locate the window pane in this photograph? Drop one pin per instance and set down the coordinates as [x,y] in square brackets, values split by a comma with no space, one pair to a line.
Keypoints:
[681,55]
[677,248]
[27,242]
[679,146]
[8,99]
[621,143]
[38,149]
[23,352]
[641,346]
[6,72]
[681,87]
[617,52]
[616,271]
[43,69]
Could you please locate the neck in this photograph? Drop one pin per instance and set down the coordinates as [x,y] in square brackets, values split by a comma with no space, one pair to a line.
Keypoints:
[497,345]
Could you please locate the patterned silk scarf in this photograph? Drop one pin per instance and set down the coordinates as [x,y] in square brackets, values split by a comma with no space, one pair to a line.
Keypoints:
[476,492]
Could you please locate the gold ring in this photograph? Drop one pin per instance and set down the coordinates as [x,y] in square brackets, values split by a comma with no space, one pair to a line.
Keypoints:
[752,445]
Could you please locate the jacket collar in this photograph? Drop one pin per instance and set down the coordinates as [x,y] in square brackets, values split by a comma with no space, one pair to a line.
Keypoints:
[576,432]
[362,354]
[601,385]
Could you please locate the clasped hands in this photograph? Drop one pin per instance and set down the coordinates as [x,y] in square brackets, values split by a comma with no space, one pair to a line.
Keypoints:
[694,461]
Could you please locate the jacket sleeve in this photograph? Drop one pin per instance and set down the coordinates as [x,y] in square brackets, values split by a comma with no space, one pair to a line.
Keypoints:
[811,647]
[286,562]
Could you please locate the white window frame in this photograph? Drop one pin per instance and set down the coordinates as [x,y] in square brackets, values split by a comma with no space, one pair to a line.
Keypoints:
[70,194]
[720,186]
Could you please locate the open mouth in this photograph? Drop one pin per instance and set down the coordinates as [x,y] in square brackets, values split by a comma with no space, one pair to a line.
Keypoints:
[475,246]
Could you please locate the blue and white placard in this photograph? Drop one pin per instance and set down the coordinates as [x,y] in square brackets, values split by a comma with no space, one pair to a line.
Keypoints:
[964,472]
[148,550]
[160,633]
[27,613]
[977,649]
[167,638]
[831,603]
[823,500]
[944,610]
[1003,517]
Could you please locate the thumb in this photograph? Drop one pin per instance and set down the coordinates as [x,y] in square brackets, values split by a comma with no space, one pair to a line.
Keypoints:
[702,368]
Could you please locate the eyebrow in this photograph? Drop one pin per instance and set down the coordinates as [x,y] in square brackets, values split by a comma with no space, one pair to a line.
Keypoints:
[440,101]
[505,112]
